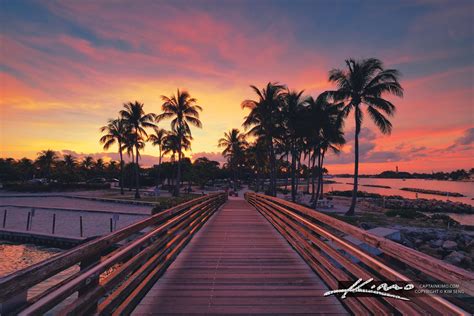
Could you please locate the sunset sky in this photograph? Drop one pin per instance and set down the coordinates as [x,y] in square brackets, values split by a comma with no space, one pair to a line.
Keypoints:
[68,66]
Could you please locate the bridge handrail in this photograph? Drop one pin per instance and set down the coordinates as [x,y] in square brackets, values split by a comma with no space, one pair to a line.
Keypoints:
[166,229]
[305,228]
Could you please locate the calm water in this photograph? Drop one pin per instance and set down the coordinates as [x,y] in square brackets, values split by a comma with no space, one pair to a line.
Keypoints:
[465,188]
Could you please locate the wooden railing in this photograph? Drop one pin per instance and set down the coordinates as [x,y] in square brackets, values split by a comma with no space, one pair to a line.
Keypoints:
[133,258]
[319,239]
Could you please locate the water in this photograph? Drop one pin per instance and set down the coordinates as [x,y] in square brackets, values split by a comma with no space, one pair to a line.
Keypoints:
[465,188]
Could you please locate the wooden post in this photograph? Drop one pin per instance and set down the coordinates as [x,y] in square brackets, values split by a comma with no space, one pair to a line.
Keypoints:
[111,225]
[91,283]
[54,224]
[4,218]
[80,224]
[28,221]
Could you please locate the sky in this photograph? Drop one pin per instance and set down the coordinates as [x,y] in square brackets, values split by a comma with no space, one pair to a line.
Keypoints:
[68,66]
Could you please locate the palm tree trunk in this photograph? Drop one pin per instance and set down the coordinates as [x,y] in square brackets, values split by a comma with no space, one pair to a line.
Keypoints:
[313,178]
[235,177]
[272,169]
[293,173]
[131,178]
[298,172]
[308,176]
[351,210]
[121,169]
[178,175]
[137,175]
[286,173]
[158,173]
[319,176]
[322,173]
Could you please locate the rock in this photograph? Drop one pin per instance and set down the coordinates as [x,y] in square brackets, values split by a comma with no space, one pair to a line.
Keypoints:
[437,243]
[455,257]
[418,242]
[430,251]
[365,226]
[450,245]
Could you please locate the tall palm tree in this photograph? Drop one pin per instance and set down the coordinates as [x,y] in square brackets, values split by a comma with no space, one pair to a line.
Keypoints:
[265,120]
[183,111]
[234,145]
[115,132]
[293,108]
[158,139]
[137,121]
[365,82]
[46,160]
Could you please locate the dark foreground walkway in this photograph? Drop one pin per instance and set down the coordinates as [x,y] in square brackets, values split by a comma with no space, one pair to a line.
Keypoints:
[238,264]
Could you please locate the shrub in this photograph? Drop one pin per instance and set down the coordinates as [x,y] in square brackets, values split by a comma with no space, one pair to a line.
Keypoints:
[404,213]
[29,187]
[348,193]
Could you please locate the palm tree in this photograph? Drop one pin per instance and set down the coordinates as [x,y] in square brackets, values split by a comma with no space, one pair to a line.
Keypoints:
[364,82]
[99,166]
[88,162]
[26,168]
[158,139]
[115,132]
[183,111]
[137,120]
[265,120]
[234,145]
[171,144]
[70,162]
[293,107]
[46,161]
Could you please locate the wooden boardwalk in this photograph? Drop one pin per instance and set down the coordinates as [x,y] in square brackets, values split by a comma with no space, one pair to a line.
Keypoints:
[238,264]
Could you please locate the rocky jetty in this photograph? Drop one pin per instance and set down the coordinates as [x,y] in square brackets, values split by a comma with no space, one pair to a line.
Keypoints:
[434,192]
[425,205]
[454,247]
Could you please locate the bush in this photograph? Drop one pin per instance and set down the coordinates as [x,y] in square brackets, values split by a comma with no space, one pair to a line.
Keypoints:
[362,194]
[283,190]
[51,187]
[403,213]
[168,202]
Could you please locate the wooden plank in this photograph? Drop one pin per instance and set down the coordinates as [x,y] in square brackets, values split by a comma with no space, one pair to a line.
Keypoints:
[425,263]
[235,259]
[435,304]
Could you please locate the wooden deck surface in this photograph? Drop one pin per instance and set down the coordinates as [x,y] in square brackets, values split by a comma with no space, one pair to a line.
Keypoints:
[238,264]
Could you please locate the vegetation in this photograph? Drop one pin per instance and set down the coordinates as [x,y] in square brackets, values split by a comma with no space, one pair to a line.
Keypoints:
[364,82]
[234,144]
[183,111]
[404,213]
[115,132]
[287,134]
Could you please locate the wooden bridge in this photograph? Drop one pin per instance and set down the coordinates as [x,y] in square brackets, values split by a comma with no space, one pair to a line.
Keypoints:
[217,256]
